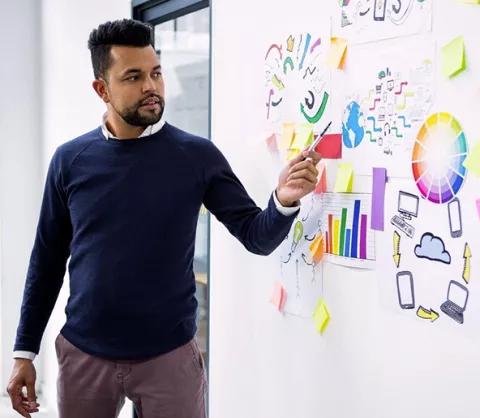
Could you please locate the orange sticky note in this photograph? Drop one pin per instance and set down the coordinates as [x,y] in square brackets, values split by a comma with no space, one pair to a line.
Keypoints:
[278,296]
[322,179]
[288,134]
[316,249]
[336,56]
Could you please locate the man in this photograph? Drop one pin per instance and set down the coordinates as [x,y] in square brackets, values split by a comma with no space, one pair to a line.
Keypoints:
[122,201]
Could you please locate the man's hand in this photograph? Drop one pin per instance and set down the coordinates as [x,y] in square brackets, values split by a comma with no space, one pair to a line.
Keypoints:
[298,178]
[23,375]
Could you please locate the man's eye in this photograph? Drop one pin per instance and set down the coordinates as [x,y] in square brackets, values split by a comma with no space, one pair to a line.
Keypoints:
[133,78]
[157,74]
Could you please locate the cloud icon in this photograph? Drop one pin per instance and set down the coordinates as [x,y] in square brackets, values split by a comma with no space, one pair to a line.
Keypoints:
[432,248]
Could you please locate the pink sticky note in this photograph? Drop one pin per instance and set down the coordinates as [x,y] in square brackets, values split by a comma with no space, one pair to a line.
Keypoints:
[272,143]
[322,179]
[478,207]
[278,296]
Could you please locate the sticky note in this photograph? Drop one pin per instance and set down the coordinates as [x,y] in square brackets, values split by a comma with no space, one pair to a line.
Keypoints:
[321,316]
[472,162]
[278,296]
[337,53]
[453,57]
[469,1]
[322,179]
[378,198]
[478,207]
[344,182]
[317,249]
[272,143]
[330,147]
[288,133]
[292,154]
[303,136]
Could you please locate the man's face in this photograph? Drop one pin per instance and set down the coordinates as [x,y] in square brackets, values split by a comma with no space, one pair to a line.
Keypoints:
[135,85]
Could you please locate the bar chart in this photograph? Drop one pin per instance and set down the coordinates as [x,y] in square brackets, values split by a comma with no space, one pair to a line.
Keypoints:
[349,241]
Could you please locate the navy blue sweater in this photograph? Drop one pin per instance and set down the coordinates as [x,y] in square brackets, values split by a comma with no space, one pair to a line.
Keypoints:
[125,212]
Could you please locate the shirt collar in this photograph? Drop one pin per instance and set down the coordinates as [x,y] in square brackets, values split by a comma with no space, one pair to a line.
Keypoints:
[149,130]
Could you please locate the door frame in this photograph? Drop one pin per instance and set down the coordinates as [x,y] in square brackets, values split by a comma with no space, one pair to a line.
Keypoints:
[156,12]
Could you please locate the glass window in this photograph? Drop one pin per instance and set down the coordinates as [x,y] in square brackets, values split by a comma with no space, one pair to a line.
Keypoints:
[183,45]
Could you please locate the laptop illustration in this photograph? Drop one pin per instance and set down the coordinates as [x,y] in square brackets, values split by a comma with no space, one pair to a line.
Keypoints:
[456,302]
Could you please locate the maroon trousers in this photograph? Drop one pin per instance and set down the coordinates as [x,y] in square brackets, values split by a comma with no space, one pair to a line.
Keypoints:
[172,385]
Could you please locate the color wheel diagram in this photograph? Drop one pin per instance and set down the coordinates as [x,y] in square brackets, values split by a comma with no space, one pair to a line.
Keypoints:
[439,151]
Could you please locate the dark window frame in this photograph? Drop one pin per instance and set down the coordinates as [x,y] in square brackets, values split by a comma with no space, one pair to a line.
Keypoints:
[156,12]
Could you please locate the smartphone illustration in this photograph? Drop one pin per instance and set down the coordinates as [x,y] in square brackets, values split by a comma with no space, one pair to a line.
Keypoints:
[379,10]
[406,294]
[455,218]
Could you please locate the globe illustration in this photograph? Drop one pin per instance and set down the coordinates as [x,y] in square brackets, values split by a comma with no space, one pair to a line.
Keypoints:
[352,126]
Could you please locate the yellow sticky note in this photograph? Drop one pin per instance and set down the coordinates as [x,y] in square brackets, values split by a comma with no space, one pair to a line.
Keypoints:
[344,182]
[337,53]
[453,57]
[316,249]
[303,136]
[278,296]
[321,316]
[469,1]
[472,162]
[288,133]
[292,154]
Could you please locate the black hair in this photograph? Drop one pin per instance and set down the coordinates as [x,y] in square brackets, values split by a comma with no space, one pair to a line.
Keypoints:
[125,32]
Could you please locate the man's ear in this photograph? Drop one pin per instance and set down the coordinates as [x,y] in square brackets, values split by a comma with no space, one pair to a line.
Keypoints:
[100,87]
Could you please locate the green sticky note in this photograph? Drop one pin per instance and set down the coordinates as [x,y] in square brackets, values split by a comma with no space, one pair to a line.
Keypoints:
[303,137]
[472,162]
[344,183]
[453,57]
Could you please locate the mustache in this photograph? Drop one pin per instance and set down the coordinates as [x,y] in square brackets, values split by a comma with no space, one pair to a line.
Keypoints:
[159,98]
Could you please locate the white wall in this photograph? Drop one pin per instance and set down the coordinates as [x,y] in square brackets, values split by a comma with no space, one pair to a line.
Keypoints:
[71,108]
[20,161]
[370,362]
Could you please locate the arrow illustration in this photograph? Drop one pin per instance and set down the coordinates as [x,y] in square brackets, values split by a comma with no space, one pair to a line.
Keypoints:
[290,43]
[309,239]
[466,266]
[289,257]
[396,248]
[305,260]
[427,314]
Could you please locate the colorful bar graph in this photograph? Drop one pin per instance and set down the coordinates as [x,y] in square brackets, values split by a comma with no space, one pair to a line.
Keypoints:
[336,227]
[355,229]
[347,243]
[330,229]
[342,230]
[363,238]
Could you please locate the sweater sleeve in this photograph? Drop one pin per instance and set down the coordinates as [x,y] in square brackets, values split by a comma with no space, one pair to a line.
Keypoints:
[260,231]
[47,264]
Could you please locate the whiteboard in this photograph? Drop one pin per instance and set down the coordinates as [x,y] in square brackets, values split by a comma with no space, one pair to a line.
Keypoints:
[375,359]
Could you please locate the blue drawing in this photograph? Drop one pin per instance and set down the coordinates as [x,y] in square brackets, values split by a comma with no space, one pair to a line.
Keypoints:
[352,126]
[405,125]
[375,129]
[432,248]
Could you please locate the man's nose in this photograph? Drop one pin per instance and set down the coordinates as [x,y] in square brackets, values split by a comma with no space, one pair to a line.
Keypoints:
[149,85]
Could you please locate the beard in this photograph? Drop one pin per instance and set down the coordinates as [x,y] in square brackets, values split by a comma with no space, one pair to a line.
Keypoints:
[136,116]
